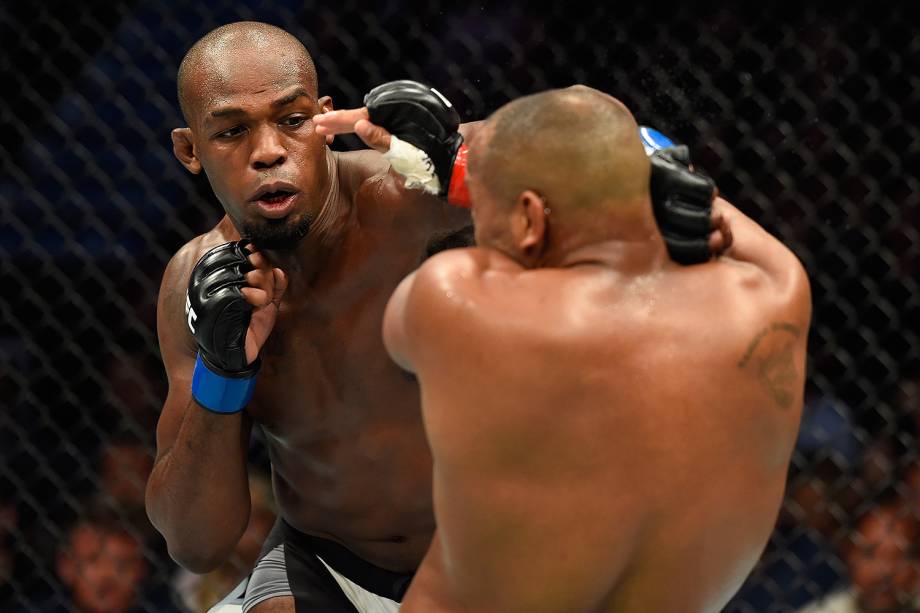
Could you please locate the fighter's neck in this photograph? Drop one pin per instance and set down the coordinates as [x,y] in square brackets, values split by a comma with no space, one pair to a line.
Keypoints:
[326,230]
[635,255]
[631,244]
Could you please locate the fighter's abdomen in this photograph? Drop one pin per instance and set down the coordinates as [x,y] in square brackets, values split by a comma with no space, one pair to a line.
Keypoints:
[343,428]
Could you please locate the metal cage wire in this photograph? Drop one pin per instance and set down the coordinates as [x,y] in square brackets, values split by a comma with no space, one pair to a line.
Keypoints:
[804,116]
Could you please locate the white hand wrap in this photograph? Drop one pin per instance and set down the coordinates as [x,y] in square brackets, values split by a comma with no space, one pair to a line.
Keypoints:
[413,164]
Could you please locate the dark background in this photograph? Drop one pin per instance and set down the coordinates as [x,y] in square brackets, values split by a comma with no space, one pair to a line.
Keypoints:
[805,116]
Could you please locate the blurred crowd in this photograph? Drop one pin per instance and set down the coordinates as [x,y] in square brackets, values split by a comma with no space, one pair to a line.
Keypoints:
[847,538]
[848,535]
[106,557]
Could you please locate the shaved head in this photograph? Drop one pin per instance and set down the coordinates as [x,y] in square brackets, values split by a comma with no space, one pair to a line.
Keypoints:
[577,147]
[248,92]
[209,59]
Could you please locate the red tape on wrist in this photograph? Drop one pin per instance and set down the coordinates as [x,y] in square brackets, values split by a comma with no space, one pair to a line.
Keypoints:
[457,193]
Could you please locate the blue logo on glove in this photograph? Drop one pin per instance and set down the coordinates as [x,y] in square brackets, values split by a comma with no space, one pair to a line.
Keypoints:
[653,140]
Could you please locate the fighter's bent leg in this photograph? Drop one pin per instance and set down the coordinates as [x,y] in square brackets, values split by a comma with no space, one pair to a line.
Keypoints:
[285,579]
[281,604]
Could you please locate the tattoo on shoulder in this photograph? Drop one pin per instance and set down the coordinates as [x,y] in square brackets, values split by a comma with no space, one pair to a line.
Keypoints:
[775,367]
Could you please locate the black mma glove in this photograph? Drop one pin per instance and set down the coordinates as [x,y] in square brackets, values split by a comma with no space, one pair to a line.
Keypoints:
[218,316]
[421,116]
[681,198]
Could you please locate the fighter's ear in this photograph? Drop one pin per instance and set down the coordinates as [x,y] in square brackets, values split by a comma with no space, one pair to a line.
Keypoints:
[531,233]
[184,149]
[325,105]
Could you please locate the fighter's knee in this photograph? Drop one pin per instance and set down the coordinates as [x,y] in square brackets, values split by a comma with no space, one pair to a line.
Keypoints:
[279,604]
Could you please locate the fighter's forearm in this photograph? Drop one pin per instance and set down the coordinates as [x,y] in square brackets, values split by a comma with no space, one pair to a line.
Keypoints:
[751,243]
[198,492]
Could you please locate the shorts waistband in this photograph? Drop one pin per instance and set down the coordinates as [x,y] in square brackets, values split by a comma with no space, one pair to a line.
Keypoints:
[374,579]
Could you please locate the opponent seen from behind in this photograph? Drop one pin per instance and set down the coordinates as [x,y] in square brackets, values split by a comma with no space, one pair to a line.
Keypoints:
[610,431]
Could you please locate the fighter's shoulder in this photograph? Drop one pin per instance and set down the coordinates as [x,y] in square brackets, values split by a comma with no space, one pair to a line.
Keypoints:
[179,267]
[781,290]
[458,278]
[444,297]
[795,287]
[786,280]
[357,167]
[456,266]
[365,175]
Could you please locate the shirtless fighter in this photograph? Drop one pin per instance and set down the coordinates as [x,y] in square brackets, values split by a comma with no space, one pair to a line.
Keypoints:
[610,431]
[328,237]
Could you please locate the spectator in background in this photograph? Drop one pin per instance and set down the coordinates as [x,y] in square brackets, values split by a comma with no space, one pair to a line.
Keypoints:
[102,565]
[799,564]
[853,465]
[883,562]
[908,403]
[823,495]
[135,384]
[911,485]
[199,592]
[802,563]
[124,465]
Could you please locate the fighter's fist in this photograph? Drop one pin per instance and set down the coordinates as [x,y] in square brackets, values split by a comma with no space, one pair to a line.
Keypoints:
[415,128]
[231,307]
[682,201]
[233,298]
[421,116]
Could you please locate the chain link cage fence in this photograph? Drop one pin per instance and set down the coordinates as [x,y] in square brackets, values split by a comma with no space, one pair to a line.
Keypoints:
[804,115]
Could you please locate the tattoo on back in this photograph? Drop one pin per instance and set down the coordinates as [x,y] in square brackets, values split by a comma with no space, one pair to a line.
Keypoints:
[775,367]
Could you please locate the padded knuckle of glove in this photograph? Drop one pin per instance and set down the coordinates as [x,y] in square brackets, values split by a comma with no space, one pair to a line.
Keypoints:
[682,202]
[687,250]
[219,313]
[421,116]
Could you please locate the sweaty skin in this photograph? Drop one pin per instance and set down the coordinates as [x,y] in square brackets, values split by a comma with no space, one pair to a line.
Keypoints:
[340,420]
[342,423]
[610,431]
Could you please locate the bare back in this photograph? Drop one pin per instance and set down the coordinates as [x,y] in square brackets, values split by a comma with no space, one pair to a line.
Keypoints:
[604,442]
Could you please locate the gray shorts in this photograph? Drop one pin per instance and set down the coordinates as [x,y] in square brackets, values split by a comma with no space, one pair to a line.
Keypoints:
[321,575]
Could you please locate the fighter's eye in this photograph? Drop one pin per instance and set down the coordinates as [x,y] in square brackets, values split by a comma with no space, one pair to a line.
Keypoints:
[293,121]
[230,133]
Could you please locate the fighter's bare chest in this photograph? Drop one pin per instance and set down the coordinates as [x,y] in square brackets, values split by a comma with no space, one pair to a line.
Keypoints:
[325,363]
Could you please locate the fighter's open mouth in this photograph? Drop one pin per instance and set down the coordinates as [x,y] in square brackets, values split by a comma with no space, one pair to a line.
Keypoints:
[276,196]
